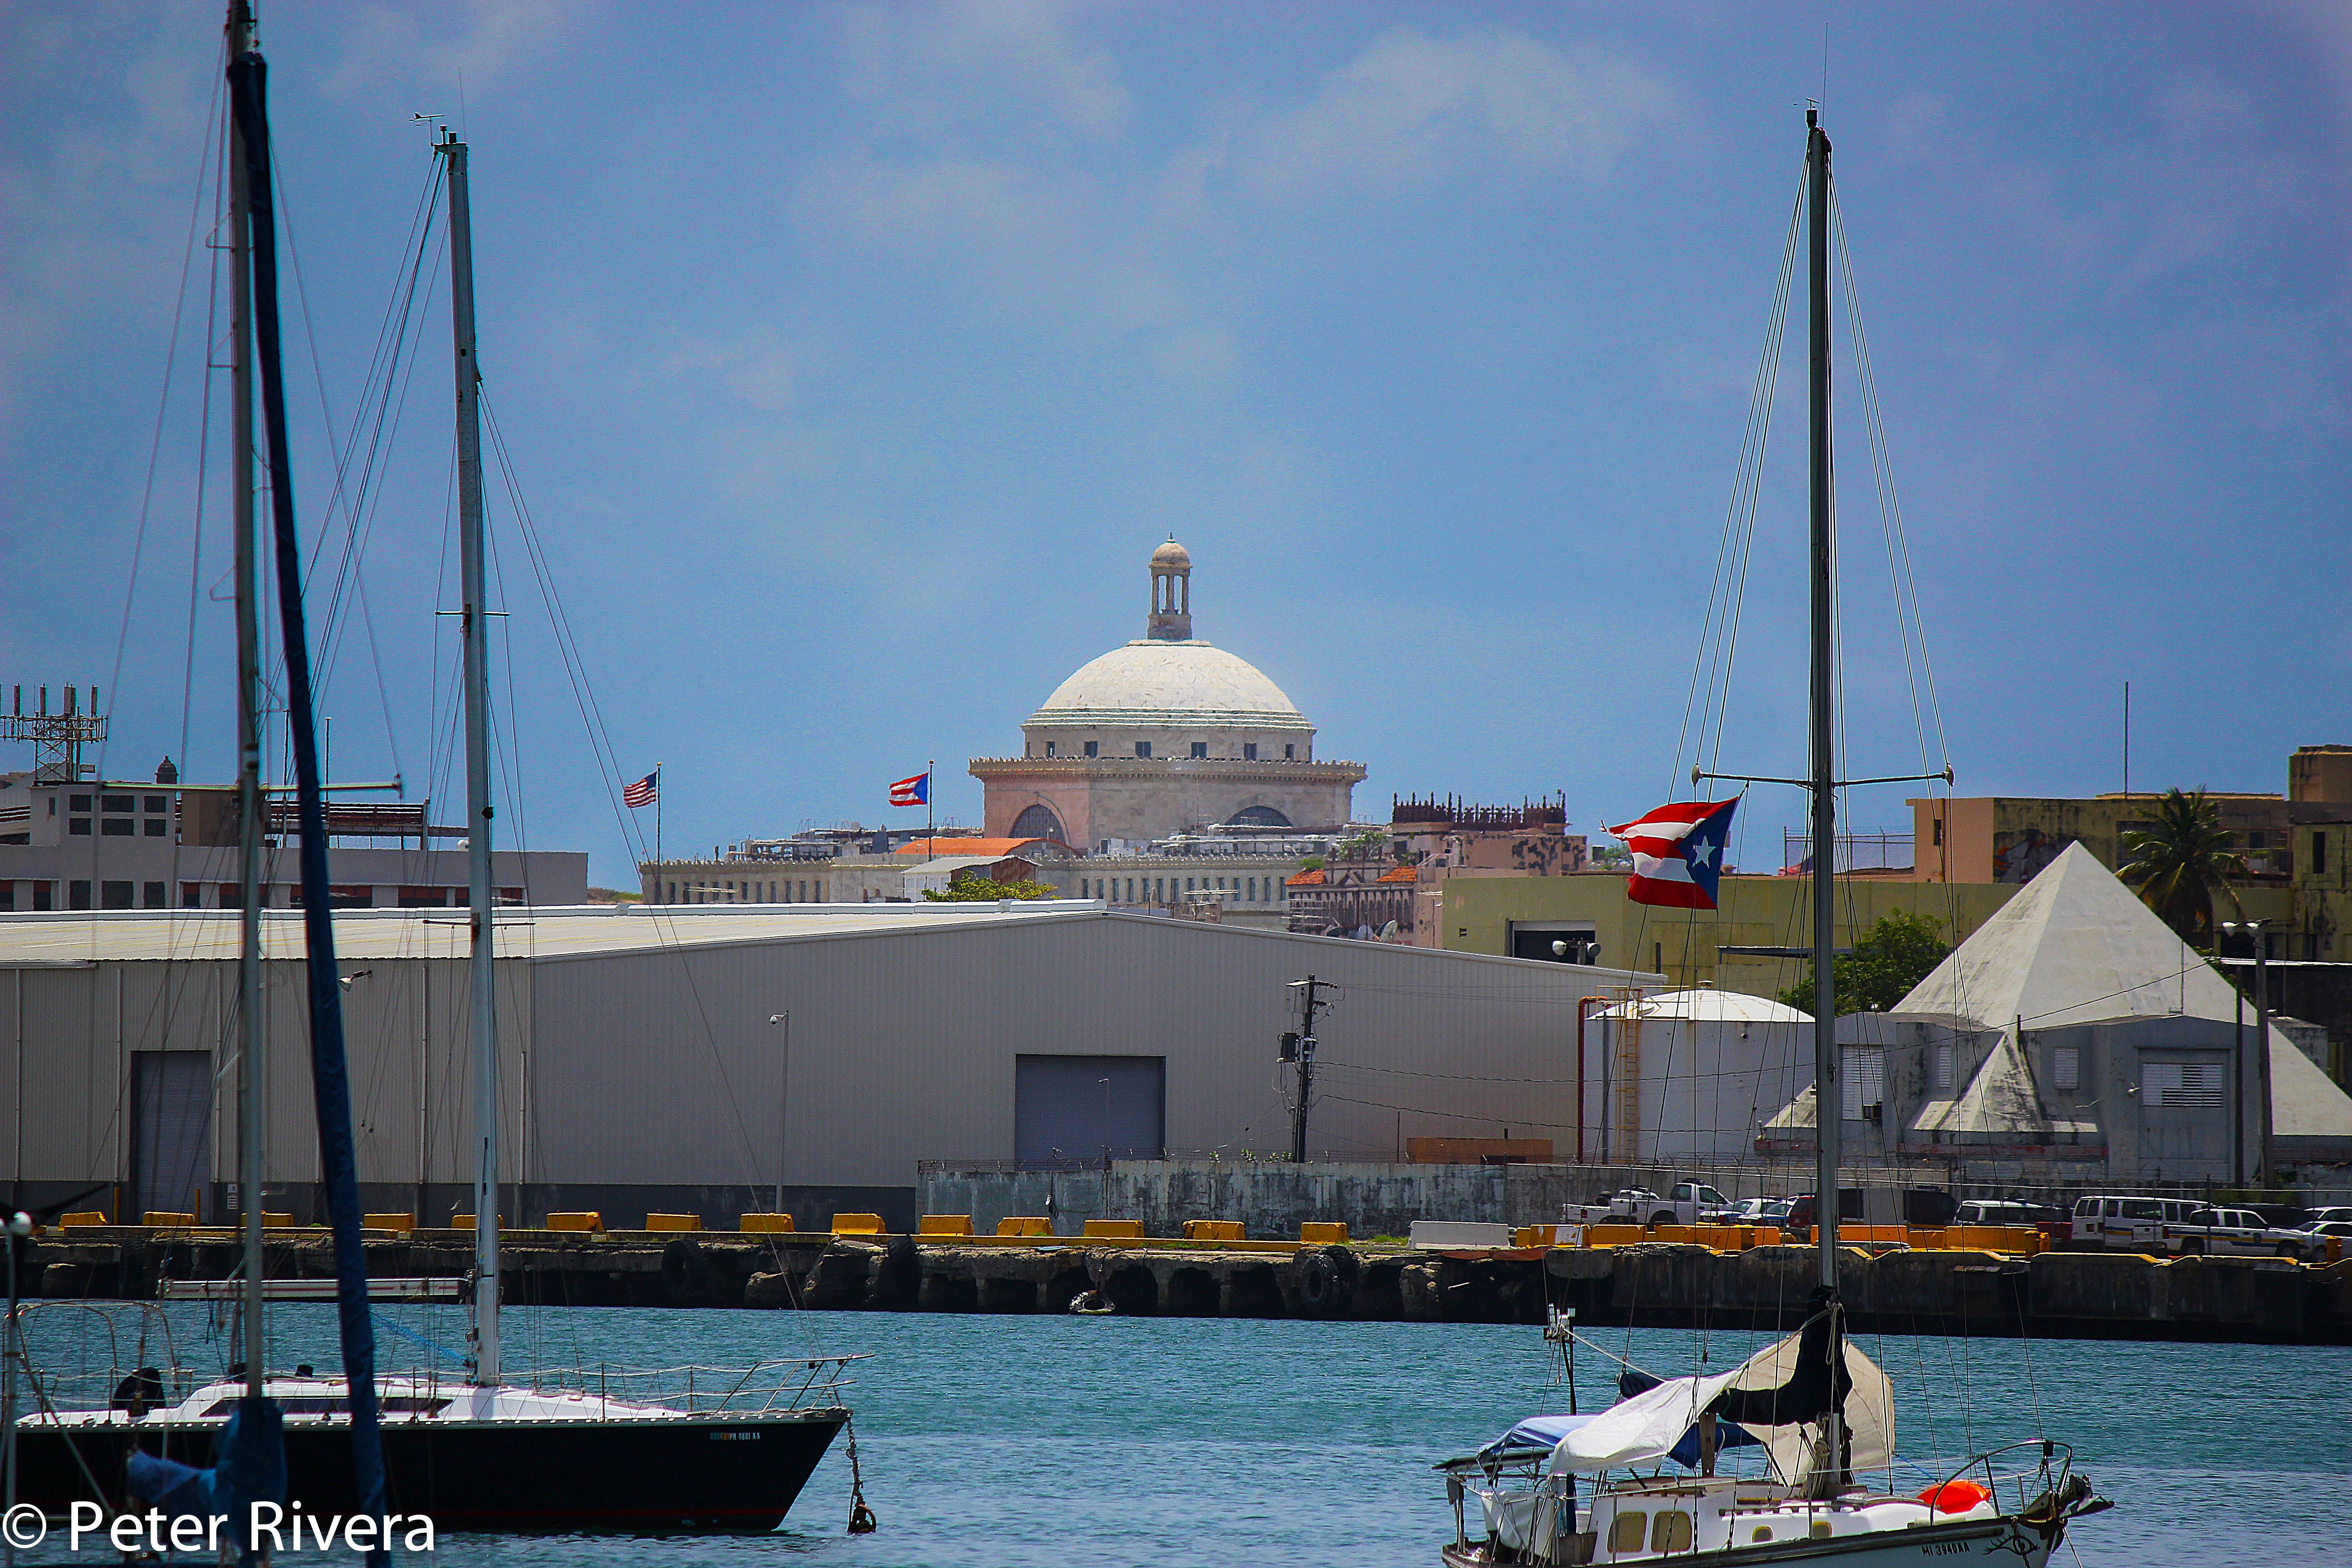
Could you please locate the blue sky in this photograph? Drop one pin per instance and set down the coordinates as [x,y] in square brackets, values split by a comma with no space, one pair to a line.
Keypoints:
[853,358]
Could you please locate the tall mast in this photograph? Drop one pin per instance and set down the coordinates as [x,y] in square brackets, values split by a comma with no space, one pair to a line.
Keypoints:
[1828,1103]
[474,621]
[249,1088]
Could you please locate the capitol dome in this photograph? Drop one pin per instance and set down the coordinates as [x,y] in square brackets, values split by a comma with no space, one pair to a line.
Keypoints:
[1165,734]
[1170,685]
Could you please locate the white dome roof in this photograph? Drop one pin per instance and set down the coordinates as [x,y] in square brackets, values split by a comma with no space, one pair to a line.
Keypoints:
[1709,1005]
[1185,685]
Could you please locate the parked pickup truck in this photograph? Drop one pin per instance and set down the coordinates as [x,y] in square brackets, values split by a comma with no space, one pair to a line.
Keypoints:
[1690,1203]
[2225,1232]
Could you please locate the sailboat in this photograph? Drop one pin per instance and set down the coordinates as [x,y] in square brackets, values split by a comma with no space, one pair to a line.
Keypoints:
[475,1453]
[1822,1410]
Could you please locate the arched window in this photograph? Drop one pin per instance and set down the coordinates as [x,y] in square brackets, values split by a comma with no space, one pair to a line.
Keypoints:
[1259,816]
[1038,822]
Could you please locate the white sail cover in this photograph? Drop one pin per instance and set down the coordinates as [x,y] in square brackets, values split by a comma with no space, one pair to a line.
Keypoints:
[1647,1427]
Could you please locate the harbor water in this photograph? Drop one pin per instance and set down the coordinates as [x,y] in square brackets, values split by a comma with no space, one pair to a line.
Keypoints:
[1005,1442]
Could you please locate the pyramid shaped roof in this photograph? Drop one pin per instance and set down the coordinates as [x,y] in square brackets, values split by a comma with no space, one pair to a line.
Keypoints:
[2075,946]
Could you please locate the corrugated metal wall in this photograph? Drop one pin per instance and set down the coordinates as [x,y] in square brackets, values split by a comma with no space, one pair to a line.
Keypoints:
[661,1066]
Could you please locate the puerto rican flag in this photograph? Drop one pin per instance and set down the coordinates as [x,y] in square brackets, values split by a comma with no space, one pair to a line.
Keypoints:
[642,793]
[1678,853]
[915,791]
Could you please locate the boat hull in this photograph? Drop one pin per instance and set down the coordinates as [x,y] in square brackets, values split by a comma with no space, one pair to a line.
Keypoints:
[2005,1541]
[697,1476]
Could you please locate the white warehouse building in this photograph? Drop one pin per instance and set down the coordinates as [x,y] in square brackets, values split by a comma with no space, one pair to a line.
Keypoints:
[704,1059]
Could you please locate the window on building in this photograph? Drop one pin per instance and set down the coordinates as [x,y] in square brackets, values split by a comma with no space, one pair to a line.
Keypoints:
[2257,840]
[117,826]
[114,895]
[1049,748]
[1188,884]
[1200,748]
[2066,1067]
[44,896]
[155,896]
[78,826]
[1143,748]
[1936,836]
[1865,1080]
[77,895]
[7,894]
[672,894]
[2180,1086]
[192,895]
[78,802]
[230,896]
[421,897]
[1094,748]
[1289,752]
[159,803]
[509,895]
[117,803]
[1253,890]
[2319,854]
[1249,751]
[157,827]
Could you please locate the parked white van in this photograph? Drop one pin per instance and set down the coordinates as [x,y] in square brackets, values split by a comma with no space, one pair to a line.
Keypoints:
[2128,1224]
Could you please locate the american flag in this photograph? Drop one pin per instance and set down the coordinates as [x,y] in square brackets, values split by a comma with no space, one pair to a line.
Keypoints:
[915,791]
[644,792]
[1678,853]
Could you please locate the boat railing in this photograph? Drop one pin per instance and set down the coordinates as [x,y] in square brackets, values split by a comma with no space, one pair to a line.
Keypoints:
[791,1382]
[2054,1461]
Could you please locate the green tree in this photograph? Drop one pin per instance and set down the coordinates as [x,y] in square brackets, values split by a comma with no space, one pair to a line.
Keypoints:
[981,891]
[2175,865]
[1893,956]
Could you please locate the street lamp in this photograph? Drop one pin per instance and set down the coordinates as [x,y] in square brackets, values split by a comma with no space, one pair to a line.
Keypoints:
[2258,930]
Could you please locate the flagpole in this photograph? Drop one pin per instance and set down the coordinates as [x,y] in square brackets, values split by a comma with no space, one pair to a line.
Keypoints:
[931,833]
[657,852]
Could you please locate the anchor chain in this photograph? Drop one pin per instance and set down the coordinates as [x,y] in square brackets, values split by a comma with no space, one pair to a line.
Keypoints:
[861,1518]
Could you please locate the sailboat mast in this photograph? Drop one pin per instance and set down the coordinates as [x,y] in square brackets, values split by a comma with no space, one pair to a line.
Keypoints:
[249,1088]
[475,623]
[1828,1102]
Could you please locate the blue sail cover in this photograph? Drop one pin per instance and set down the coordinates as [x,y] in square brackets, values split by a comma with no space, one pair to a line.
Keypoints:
[249,1467]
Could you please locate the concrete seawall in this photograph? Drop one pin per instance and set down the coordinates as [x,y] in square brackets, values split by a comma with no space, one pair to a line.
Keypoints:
[2053,1295]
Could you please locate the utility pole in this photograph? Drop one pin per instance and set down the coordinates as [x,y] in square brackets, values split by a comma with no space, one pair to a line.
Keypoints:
[1300,1049]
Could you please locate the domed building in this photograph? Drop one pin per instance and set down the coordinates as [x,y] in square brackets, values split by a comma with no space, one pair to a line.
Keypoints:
[1166,734]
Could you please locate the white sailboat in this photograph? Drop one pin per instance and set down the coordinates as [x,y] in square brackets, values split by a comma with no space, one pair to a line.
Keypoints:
[478,1453]
[1822,1412]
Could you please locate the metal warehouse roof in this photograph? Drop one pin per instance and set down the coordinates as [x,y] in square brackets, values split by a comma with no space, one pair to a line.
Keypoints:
[84,937]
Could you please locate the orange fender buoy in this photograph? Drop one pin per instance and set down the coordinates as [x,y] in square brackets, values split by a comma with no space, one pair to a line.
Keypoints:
[1955,1496]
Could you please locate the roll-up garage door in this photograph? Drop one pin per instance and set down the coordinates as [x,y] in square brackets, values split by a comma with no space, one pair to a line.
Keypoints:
[1077,1107]
[172,1104]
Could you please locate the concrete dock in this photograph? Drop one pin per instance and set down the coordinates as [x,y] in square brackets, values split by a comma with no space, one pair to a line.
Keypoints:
[2050,1295]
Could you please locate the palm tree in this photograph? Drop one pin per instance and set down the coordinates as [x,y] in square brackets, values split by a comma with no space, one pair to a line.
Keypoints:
[2176,864]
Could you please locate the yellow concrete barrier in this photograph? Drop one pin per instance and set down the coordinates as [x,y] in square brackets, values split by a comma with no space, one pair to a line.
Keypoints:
[667,1222]
[583,1219]
[1614,1235]
[1025,1225]
[465,1222]
[271,1220]
[945,1225]
[85,1216]
[1213,1230]
[157,1216]
[1670,1233]
[402,1223]
[858,1224]
[1323,1232]
[765,1223]
[1115,1229]
[1535,1236]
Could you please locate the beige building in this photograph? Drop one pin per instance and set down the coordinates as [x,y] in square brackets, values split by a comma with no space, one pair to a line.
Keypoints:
[1589,915]
[1166,734]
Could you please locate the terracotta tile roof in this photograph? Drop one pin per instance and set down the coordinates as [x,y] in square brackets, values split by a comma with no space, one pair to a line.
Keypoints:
[994,849]
[1401,874]
[1314,878]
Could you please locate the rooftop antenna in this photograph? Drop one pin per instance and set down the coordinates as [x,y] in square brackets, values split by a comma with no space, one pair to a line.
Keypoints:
[57,738]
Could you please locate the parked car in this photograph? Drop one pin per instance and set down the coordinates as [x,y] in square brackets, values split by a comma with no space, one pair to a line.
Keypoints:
[1758,1211]
[2338,1216]
[1689,1203]
[2006,1210]
[1927,1208]
[2231,1232]
[2313,1239]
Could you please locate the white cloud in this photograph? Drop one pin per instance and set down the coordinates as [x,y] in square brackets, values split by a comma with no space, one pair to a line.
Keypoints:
[403,46]
[1416,109]
[982,66]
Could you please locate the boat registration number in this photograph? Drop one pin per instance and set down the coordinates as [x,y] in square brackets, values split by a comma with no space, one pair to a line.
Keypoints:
[735,1436]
